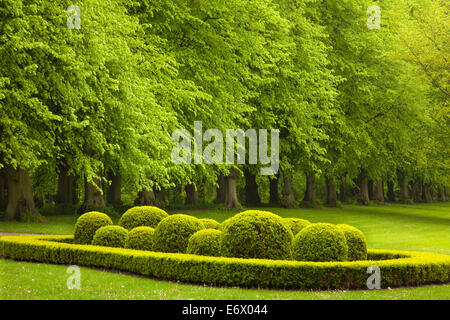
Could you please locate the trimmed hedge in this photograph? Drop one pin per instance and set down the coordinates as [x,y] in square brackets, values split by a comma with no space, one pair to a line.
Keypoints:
[356,241]
[140,238]
[210,223]
[405,268]
[87,224]
[296,224]
[172,233]
[205,243]
[110,236]
[320,242]
[147,216]
[256,234]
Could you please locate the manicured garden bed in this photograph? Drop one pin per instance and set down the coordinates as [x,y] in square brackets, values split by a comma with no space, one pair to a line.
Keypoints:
[398,268]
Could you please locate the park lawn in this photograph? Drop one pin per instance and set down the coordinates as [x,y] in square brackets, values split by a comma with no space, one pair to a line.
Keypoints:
[424,227]
[25,280]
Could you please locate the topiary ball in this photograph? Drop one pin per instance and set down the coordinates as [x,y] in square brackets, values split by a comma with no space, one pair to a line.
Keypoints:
[356,242]
[140,238]
[320,242]
[296,225]
[87,224]
[110,236]
[172,233]
[142,216]
[256,234]
[205,243]
[210,223]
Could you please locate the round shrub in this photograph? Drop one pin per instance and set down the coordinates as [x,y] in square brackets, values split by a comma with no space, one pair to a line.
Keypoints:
[256,234]
[205,243]
[356,242]
[172,233]
[110,236]
[295,224]
[140,238]
[320,242]
[87,224]
[210,223]
[147,216]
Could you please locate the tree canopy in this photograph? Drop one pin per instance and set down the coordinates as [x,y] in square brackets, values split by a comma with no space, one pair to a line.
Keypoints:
[87,113]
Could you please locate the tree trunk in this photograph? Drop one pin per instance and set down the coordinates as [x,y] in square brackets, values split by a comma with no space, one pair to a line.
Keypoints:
[201,190]
[160,196]
[309,200]
[214,192]
[426,193]
[363,194]
[287,197]
[66,194]
[114,195]
[403,185]
[416,190]
[145,198]
[330,192]
[20,196]
[442,193]
[343,192]
[191,194]
[3,194]
[370,189]
[93,197]
[390,191]
[231,199]
[251,189]
[274,196]
[379,191]
[220,191]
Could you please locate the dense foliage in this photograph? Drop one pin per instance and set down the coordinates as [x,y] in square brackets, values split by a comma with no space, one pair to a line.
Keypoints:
[256,234]
[205,243]
[87,114]
[110,236]
[398,268]
[320,242]
[356,241]
[210,223]
[87,224]
[296,224]
[148,216]
[140,238]
[172,233]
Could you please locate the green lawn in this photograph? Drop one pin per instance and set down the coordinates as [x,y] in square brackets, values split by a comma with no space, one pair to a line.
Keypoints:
[24,280]
[406,227]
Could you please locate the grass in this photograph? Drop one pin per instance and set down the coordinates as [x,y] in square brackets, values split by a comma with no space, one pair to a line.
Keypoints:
[424,227]
[25,280]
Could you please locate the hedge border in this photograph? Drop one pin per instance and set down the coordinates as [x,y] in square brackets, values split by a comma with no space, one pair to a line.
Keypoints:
[403,268]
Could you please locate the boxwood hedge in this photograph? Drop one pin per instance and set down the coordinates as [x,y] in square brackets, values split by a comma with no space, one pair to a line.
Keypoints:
[320,242]
[87,224]
[148,216]
[110,236]
[205,242]
[356,241]
[256,234]
[398,268]
[172,233]
[140,238]
[296,224]
[210,223]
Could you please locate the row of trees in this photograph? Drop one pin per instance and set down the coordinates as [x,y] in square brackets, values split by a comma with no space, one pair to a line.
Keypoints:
[95,107]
